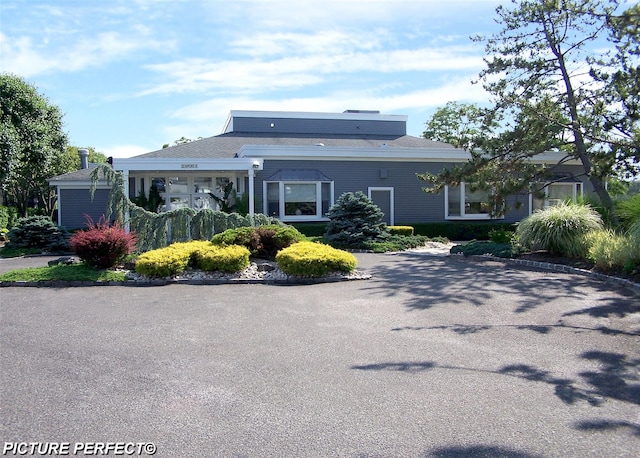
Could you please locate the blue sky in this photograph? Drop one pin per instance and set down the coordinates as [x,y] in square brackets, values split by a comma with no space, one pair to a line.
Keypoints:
[132,75]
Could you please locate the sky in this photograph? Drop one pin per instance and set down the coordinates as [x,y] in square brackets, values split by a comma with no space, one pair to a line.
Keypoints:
[132,75]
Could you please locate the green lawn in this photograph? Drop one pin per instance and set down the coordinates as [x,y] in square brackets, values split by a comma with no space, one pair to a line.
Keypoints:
[75,272]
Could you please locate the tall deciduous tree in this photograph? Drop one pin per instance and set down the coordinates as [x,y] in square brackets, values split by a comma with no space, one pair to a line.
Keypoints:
[32,143]
[552,94]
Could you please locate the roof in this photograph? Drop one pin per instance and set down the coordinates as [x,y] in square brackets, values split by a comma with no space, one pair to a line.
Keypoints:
[227,145]
[76,175]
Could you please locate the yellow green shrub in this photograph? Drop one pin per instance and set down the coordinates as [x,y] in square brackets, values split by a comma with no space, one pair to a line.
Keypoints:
[400,230]
[609,250]
[163,262]
[314,260]
[232,258]
[169,261]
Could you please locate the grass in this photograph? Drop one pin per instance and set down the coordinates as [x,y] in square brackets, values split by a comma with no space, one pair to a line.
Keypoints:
[75,272]
[17,252]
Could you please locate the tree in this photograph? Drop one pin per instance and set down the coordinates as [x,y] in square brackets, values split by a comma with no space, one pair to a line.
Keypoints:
[546,99]
[32,144]
[181,141]
[71,159]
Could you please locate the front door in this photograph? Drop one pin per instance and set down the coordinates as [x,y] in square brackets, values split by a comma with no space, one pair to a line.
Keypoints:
[383,198]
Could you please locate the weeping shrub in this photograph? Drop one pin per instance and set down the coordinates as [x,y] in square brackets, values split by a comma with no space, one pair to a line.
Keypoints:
[560,230]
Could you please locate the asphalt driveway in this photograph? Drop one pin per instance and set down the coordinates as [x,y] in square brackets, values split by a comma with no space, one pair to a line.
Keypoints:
[434,356]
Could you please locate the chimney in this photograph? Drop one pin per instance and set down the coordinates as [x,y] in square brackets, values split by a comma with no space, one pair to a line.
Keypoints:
[84,158]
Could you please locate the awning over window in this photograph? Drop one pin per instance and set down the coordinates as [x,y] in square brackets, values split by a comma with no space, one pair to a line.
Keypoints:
[298,175]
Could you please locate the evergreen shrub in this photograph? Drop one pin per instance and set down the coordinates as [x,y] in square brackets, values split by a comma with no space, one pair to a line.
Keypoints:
[355,219]
[262,241]
[163,262]
[232,258]
[8,217]
[175,258]
[102,246]
[401,230]
[560,230]
[483,247]
[310,259]
[38,232]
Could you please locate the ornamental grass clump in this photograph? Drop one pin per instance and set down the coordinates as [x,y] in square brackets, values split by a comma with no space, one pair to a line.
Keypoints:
[612,251]
[560,230]
[310,259]
[102,245]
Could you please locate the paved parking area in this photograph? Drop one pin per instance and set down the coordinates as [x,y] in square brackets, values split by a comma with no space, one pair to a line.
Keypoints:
[434,356]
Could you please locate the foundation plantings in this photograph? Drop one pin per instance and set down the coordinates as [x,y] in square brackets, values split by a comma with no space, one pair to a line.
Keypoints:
[310,259]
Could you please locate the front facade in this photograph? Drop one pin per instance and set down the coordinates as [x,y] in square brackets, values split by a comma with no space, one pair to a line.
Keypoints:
[295,165]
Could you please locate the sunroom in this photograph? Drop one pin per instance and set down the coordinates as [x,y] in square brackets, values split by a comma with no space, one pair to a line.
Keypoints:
[188,182]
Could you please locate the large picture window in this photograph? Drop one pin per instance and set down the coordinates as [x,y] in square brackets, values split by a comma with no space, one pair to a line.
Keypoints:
[298,201]
[556,193]
[463,202]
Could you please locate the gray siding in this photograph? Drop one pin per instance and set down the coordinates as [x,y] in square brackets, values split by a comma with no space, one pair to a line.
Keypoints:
[319,126]
[412,204]
[76,203]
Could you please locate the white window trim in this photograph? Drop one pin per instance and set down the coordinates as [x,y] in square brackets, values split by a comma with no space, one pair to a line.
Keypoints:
[319,216]
[546,204]
[463,216]
[190,176]
[391,197]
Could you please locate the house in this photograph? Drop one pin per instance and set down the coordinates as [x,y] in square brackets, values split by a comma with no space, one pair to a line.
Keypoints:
[294,165]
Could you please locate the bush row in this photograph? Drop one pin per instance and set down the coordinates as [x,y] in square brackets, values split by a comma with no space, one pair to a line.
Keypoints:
[307,259]
[174,259]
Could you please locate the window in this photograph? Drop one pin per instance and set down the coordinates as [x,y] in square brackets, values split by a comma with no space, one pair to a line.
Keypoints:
[464,203]
[298,201]
[190,190]
[556,193]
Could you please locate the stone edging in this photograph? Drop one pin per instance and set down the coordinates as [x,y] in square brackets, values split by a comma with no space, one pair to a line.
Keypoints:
[563,268]
[170,281]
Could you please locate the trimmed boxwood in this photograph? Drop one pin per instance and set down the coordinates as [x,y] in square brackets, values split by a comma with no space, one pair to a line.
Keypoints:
[310,259]
[232,258]
[174,259]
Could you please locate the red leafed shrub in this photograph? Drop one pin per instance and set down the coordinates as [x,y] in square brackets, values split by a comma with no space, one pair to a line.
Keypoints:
[102,245]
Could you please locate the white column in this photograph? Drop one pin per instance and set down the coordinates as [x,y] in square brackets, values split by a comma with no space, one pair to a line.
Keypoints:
[251,191]
[125,182]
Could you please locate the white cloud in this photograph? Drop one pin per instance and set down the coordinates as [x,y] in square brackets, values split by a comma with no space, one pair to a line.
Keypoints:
[24,56]
[256,75]
[207,118]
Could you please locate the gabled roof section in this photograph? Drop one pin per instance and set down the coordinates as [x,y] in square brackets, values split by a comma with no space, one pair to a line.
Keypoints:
[228,145]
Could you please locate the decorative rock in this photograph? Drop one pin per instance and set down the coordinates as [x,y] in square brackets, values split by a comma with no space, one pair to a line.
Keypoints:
[65,260]
[265,267]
